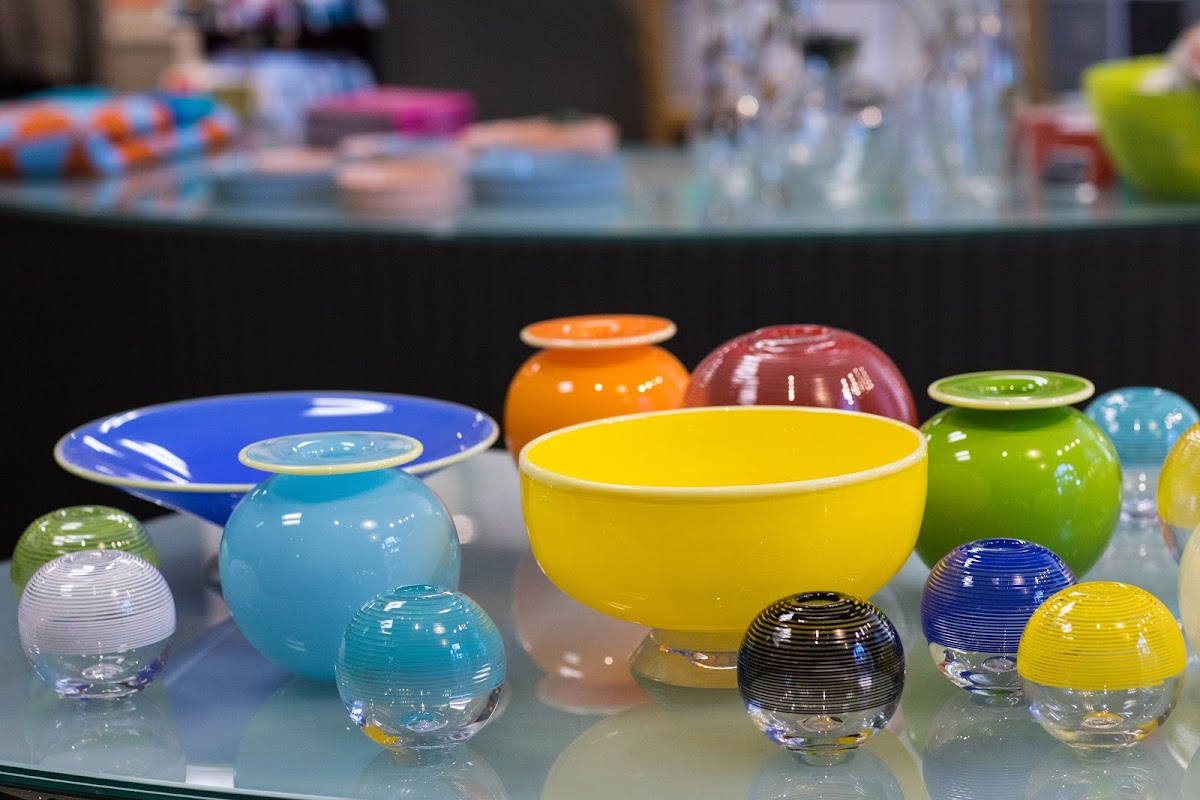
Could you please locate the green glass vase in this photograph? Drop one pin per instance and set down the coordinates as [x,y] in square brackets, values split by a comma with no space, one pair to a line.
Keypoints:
[1011,458]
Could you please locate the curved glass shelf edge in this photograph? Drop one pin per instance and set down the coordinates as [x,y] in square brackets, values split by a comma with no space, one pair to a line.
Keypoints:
[531,746]
[663,199]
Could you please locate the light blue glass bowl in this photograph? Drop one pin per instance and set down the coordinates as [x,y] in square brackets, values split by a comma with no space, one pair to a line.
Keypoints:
[421,668]
[1143,423]
[184,455]
[307,547]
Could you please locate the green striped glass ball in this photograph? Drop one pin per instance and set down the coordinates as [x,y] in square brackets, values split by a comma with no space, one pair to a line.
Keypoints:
[75,528]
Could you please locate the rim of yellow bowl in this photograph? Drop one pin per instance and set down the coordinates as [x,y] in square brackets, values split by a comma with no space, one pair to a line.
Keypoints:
[556,479]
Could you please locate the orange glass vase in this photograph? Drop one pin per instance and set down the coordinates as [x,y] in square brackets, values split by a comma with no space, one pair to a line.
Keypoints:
[590,367]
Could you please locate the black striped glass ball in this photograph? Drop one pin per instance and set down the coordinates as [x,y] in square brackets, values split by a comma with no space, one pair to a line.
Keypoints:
[820,672]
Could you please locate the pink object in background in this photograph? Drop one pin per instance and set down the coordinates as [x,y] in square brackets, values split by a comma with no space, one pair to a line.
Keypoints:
[593,134]
[389,109]
[802,365]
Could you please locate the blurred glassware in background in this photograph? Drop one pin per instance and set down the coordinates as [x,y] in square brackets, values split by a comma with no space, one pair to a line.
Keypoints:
[792,117]
[782,120]
[962,113]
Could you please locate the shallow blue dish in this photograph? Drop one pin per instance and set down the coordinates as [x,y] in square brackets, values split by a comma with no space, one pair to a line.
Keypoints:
[184,455]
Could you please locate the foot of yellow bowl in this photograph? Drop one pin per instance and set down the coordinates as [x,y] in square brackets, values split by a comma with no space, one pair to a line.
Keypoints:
[687,658]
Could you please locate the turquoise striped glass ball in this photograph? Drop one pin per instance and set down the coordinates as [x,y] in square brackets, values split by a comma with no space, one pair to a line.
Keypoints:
[421,667]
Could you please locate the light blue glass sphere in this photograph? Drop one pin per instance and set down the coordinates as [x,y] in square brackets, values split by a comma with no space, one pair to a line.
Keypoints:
[1143,423]
[421,667]
[307,547]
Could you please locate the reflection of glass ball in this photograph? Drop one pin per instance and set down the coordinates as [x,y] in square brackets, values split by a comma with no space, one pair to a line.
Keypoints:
[96,622]
[706,748]
[421,667]
[128,736]
[458,774]
[976,602]
[1189,589]
[1179,491]
[1102,664]
[860,775]
[1143,422]
[75,528]
[1141,773]
[821,672]
[980,747]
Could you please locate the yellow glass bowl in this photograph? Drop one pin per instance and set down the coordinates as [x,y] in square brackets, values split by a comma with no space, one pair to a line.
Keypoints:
[1101,636]
[692,520]
[1154,139]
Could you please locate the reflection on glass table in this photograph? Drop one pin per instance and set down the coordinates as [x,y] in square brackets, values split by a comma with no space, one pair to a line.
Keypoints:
[663,196]
[224,722]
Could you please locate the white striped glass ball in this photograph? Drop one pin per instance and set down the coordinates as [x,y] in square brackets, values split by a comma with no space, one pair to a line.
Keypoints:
[96,623]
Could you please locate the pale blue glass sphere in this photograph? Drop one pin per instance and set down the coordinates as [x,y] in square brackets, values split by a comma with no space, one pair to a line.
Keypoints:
[421,667]
[1143,423]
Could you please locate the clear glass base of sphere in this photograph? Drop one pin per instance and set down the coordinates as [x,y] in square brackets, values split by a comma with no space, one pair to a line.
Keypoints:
[1139,492]
[982,673]
[413,726]
[1102,719]
[1176,537]
[821,738]
[108,675]
[687,659]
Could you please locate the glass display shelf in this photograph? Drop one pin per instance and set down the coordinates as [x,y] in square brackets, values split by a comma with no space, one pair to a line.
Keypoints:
[222,722]
[663,198]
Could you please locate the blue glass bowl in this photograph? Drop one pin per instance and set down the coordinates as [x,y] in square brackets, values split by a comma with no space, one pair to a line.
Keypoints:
[184,455]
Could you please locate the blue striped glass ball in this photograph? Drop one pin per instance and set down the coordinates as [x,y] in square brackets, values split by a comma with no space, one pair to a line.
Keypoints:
[421,667]
[1143,423]
[820,672]
[976,603]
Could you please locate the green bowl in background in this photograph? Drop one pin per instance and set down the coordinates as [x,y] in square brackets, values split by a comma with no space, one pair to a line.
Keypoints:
[1153,139]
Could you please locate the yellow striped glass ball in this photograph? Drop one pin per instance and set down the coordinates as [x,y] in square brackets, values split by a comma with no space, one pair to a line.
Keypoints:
[1179,490]
[1101,636]
[1101,664]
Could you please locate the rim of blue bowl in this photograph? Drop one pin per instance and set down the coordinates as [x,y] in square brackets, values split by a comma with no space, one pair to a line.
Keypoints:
[202,487]
[734,491]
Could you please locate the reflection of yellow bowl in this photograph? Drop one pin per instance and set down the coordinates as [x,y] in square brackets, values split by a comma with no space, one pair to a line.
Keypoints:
[693,520]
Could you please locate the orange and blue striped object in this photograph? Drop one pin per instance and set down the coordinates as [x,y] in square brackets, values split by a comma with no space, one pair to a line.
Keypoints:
[63,133]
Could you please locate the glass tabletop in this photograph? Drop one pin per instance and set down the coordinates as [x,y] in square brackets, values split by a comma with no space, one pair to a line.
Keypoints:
[222,722]
[662,197]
